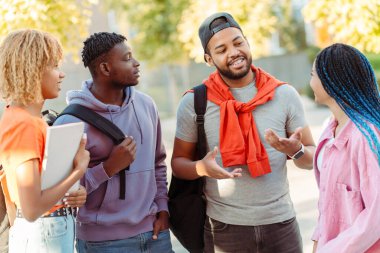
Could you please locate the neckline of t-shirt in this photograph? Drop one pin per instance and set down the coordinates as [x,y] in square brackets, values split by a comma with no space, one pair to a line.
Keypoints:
[249,86]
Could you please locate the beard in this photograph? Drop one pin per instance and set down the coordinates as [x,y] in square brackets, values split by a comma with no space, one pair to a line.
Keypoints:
[235,75]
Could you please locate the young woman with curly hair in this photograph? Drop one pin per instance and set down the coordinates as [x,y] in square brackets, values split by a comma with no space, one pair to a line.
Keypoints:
[29,75]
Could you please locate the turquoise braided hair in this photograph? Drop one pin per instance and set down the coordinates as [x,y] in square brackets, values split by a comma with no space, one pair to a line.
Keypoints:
[348,77]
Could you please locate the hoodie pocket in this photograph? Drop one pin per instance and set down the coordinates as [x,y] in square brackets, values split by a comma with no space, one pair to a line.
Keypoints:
[138,202]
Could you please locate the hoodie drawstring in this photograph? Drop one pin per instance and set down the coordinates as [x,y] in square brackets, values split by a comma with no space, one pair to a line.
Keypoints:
[122,172]
[138,122]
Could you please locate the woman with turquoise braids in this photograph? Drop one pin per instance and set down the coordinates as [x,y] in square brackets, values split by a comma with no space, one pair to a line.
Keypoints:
[347,158]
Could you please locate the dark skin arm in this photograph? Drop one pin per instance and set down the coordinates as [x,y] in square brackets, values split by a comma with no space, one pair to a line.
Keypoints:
[161,223]
[121,156]
[184,167]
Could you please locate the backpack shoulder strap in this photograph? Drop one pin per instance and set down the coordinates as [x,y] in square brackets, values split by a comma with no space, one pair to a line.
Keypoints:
[200,105]
[94,119]
[103,125]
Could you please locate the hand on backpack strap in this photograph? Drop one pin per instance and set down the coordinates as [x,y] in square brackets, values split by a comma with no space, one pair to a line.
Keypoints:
[121,156]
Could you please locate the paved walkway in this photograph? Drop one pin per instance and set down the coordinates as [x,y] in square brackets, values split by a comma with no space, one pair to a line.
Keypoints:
[303,188]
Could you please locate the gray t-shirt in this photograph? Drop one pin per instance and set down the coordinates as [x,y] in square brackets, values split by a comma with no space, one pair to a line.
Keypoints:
[247,200]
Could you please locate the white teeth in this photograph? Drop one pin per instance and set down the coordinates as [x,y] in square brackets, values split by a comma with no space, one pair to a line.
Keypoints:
[237,62]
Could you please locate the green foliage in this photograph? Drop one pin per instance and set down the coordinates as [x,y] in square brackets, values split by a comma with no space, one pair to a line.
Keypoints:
[355,22]
[166,31]
[290,27]
[153,25]
[257,19]
[67,20]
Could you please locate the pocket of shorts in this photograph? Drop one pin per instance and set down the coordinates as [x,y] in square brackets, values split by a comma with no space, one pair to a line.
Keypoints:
[56,227]
[214,225]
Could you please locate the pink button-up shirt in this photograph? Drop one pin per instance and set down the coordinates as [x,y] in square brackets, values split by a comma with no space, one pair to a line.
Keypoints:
[349,186]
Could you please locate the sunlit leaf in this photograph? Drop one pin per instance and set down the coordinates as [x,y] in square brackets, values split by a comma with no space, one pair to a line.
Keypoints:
[68,20]
[355,22]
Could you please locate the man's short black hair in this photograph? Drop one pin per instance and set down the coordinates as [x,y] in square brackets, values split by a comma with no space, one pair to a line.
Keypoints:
[98,44]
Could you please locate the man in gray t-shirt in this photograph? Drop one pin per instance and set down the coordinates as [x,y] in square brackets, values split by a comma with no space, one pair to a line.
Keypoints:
[256,122]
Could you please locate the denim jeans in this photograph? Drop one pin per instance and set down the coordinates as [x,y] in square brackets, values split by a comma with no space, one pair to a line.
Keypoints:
[45,235]
[282,237]
[142,243]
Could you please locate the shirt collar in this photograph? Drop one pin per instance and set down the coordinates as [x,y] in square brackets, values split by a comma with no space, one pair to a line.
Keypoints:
[342,138]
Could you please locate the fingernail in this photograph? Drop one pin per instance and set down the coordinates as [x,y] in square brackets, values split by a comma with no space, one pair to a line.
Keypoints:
[67,194]
[154,237]
[64,200]
[84,136]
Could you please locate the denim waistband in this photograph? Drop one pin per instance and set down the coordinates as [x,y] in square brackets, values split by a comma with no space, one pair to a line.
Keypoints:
[63,211]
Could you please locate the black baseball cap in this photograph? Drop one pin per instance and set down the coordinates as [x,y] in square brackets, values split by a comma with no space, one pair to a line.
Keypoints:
[206,33]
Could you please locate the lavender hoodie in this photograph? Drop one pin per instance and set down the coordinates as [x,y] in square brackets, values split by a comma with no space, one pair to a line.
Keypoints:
[105,216]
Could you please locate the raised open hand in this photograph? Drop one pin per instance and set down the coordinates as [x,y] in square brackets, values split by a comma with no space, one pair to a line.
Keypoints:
[288,146]
[209,167]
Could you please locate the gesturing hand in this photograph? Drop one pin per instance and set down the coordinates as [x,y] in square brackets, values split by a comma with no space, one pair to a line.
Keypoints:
[288,146]
[208,167]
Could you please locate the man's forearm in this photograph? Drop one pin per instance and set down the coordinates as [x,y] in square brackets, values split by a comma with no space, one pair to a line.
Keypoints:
[185,168]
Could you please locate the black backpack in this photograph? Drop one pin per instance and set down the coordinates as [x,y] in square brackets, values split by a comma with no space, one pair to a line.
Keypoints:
[187,203]
[102,124]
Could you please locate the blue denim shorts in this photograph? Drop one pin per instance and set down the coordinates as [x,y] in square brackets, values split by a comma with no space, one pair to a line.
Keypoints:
[52,234]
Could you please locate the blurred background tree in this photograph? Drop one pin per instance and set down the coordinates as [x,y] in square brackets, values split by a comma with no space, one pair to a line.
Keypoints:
[355,22]
[153,29]
[256,18]
[164,33]
[68,20]
[290,27]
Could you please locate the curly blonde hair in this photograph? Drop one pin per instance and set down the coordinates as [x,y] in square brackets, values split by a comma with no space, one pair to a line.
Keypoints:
[24,56]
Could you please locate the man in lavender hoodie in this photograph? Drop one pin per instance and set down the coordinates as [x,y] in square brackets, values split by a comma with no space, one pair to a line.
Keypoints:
[107,222]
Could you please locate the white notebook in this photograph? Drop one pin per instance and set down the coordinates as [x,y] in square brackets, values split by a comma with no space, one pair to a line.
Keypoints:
[62,143]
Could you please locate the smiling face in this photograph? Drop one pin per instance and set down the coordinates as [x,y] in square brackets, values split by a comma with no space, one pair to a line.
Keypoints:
[320,94]
[123,68]
[229,52]
[51,82]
